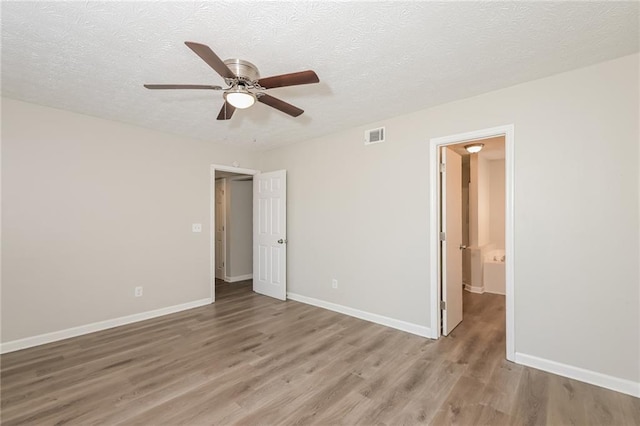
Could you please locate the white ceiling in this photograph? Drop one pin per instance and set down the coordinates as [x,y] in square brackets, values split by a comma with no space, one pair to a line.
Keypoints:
[375,60]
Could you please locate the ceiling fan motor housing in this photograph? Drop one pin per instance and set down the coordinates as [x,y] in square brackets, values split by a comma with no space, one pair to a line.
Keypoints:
[243,69]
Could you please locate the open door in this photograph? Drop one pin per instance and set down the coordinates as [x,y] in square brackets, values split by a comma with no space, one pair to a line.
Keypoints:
[451,240]
[269,234]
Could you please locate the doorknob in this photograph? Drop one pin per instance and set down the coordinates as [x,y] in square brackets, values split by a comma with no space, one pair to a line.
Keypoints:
[281,241]
[462,247]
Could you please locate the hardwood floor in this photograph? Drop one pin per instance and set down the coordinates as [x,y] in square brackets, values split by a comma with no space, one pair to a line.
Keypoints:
[250,359]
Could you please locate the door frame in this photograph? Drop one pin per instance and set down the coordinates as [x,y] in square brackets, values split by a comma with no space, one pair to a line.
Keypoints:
[434,219]
[212,218]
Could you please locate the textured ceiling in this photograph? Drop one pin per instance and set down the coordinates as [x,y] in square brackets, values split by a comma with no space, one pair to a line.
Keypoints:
[375,60]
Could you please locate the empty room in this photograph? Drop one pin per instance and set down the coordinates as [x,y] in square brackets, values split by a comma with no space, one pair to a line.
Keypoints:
[318,212]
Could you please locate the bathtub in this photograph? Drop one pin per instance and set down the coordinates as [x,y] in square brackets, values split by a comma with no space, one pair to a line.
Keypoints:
[494,275]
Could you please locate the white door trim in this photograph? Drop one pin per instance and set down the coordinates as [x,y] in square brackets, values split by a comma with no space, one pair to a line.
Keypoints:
[434,217]
[212,218]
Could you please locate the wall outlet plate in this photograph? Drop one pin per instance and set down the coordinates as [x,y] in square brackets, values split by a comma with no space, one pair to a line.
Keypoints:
[334,283]
[196,227]
[138,291]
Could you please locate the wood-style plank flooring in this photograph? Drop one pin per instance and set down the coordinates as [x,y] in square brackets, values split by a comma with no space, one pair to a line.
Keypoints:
[249,359]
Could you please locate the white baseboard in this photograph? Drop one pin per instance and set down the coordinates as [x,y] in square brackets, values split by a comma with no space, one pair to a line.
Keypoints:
[419,330]
[42,339]
[603,380]
[472,289]
[238,278]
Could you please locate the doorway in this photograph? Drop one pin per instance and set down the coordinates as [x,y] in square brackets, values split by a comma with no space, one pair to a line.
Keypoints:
[446,280]
[229,245]
[233,226]
[475,255]
[267,210]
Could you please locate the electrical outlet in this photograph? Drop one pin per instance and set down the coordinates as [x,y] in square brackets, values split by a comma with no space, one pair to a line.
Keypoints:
[138,291]
[334,283]
[196,227]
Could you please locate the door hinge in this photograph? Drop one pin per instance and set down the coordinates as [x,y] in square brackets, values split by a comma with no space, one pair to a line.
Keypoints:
[443,167]
[442,236]
[443,305]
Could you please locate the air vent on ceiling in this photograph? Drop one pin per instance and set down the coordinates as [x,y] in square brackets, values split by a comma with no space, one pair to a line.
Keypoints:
[374,136]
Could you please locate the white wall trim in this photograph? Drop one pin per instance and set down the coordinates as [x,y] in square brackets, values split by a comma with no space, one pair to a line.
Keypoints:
[474,289]
[603,380]
[212,218]
[419,330]
[41,339]
[238,278]
[434,219]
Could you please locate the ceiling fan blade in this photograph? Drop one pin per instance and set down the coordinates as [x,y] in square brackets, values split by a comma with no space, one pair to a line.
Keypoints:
[293,79]
[280,105]
[181,86]
[226,111]
[211,59]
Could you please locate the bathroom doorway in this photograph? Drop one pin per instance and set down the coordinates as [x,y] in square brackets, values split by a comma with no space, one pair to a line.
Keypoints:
[472,221]
[483,216]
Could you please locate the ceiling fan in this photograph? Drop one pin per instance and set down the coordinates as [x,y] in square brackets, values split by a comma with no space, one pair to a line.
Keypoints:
[244,83]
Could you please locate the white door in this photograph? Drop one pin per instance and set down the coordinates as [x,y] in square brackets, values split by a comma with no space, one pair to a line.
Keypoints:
[451,249]
[220,227]
[269,234]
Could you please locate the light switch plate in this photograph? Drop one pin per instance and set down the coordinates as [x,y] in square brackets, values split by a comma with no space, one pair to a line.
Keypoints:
[196,227]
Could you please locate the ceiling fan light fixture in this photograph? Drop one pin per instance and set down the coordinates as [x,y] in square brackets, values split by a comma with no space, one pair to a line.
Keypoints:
[474,148]
[240,98]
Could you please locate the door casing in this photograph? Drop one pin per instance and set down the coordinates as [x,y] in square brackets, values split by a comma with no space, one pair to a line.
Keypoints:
[434,220]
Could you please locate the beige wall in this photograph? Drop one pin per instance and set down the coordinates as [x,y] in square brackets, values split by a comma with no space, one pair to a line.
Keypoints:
[496,203]
[473,201]
[466,210]
[360,214]
[479,200]
[483,199]
[92,208]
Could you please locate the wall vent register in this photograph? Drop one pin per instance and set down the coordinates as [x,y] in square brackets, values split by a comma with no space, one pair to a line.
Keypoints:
[374,136]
